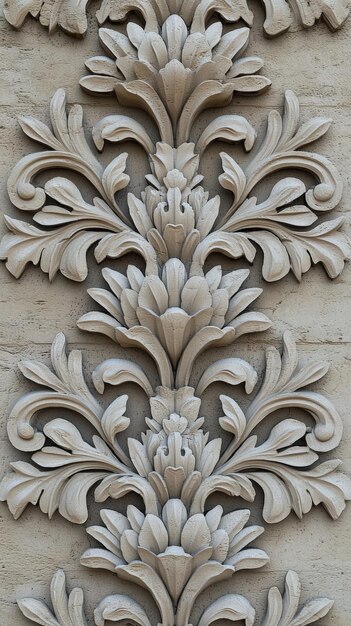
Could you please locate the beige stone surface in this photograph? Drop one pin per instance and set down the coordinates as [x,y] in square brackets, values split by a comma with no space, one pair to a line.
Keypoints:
[315,64]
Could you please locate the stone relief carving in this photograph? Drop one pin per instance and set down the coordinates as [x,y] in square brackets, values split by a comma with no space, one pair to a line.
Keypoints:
[281,610]
[175,218]
[70,15]
[174,68]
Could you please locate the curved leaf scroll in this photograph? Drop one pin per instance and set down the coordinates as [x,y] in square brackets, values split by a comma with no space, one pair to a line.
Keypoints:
[281,465]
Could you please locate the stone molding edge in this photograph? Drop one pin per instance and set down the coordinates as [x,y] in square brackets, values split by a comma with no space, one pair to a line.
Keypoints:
[174,69]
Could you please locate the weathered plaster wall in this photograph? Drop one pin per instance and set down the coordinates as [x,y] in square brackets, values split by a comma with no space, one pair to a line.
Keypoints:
[316,65]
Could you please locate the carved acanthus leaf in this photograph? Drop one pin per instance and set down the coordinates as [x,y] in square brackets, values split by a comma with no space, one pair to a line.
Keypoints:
[284,610]
[67,610]
[279,464]
[279,224]
[72,466]
[73,224]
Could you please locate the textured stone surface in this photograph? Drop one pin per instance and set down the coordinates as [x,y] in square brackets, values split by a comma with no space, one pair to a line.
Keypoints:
[317,311]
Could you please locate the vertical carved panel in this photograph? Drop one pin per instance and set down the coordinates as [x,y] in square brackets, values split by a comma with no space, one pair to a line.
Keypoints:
[175,545]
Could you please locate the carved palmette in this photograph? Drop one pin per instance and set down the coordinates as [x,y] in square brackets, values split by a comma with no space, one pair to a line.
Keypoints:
[174,68]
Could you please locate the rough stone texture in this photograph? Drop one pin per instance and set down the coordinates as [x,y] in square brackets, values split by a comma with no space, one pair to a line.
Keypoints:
[314,64]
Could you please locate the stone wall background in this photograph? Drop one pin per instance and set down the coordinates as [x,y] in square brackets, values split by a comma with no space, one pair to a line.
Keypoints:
[315,64]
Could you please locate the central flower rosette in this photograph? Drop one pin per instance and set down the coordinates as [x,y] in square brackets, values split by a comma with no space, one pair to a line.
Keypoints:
[174,545]
[176,64]
[176,306]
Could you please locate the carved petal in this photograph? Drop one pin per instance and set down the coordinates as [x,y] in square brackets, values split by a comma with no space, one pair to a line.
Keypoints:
[120,609]
[143,338]
[175,569]
[204,576]
[114,246]
[119,371]
[229,128]
[116,128]
[206,337]
[143,575]
[231,371]
[231,608]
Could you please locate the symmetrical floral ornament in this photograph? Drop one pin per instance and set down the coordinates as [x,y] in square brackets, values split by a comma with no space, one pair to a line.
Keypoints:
[175,218]
[175,546]
[175,460]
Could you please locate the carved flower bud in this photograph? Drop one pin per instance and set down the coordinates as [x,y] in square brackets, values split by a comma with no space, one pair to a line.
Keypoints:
[175,178]
[175,423]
